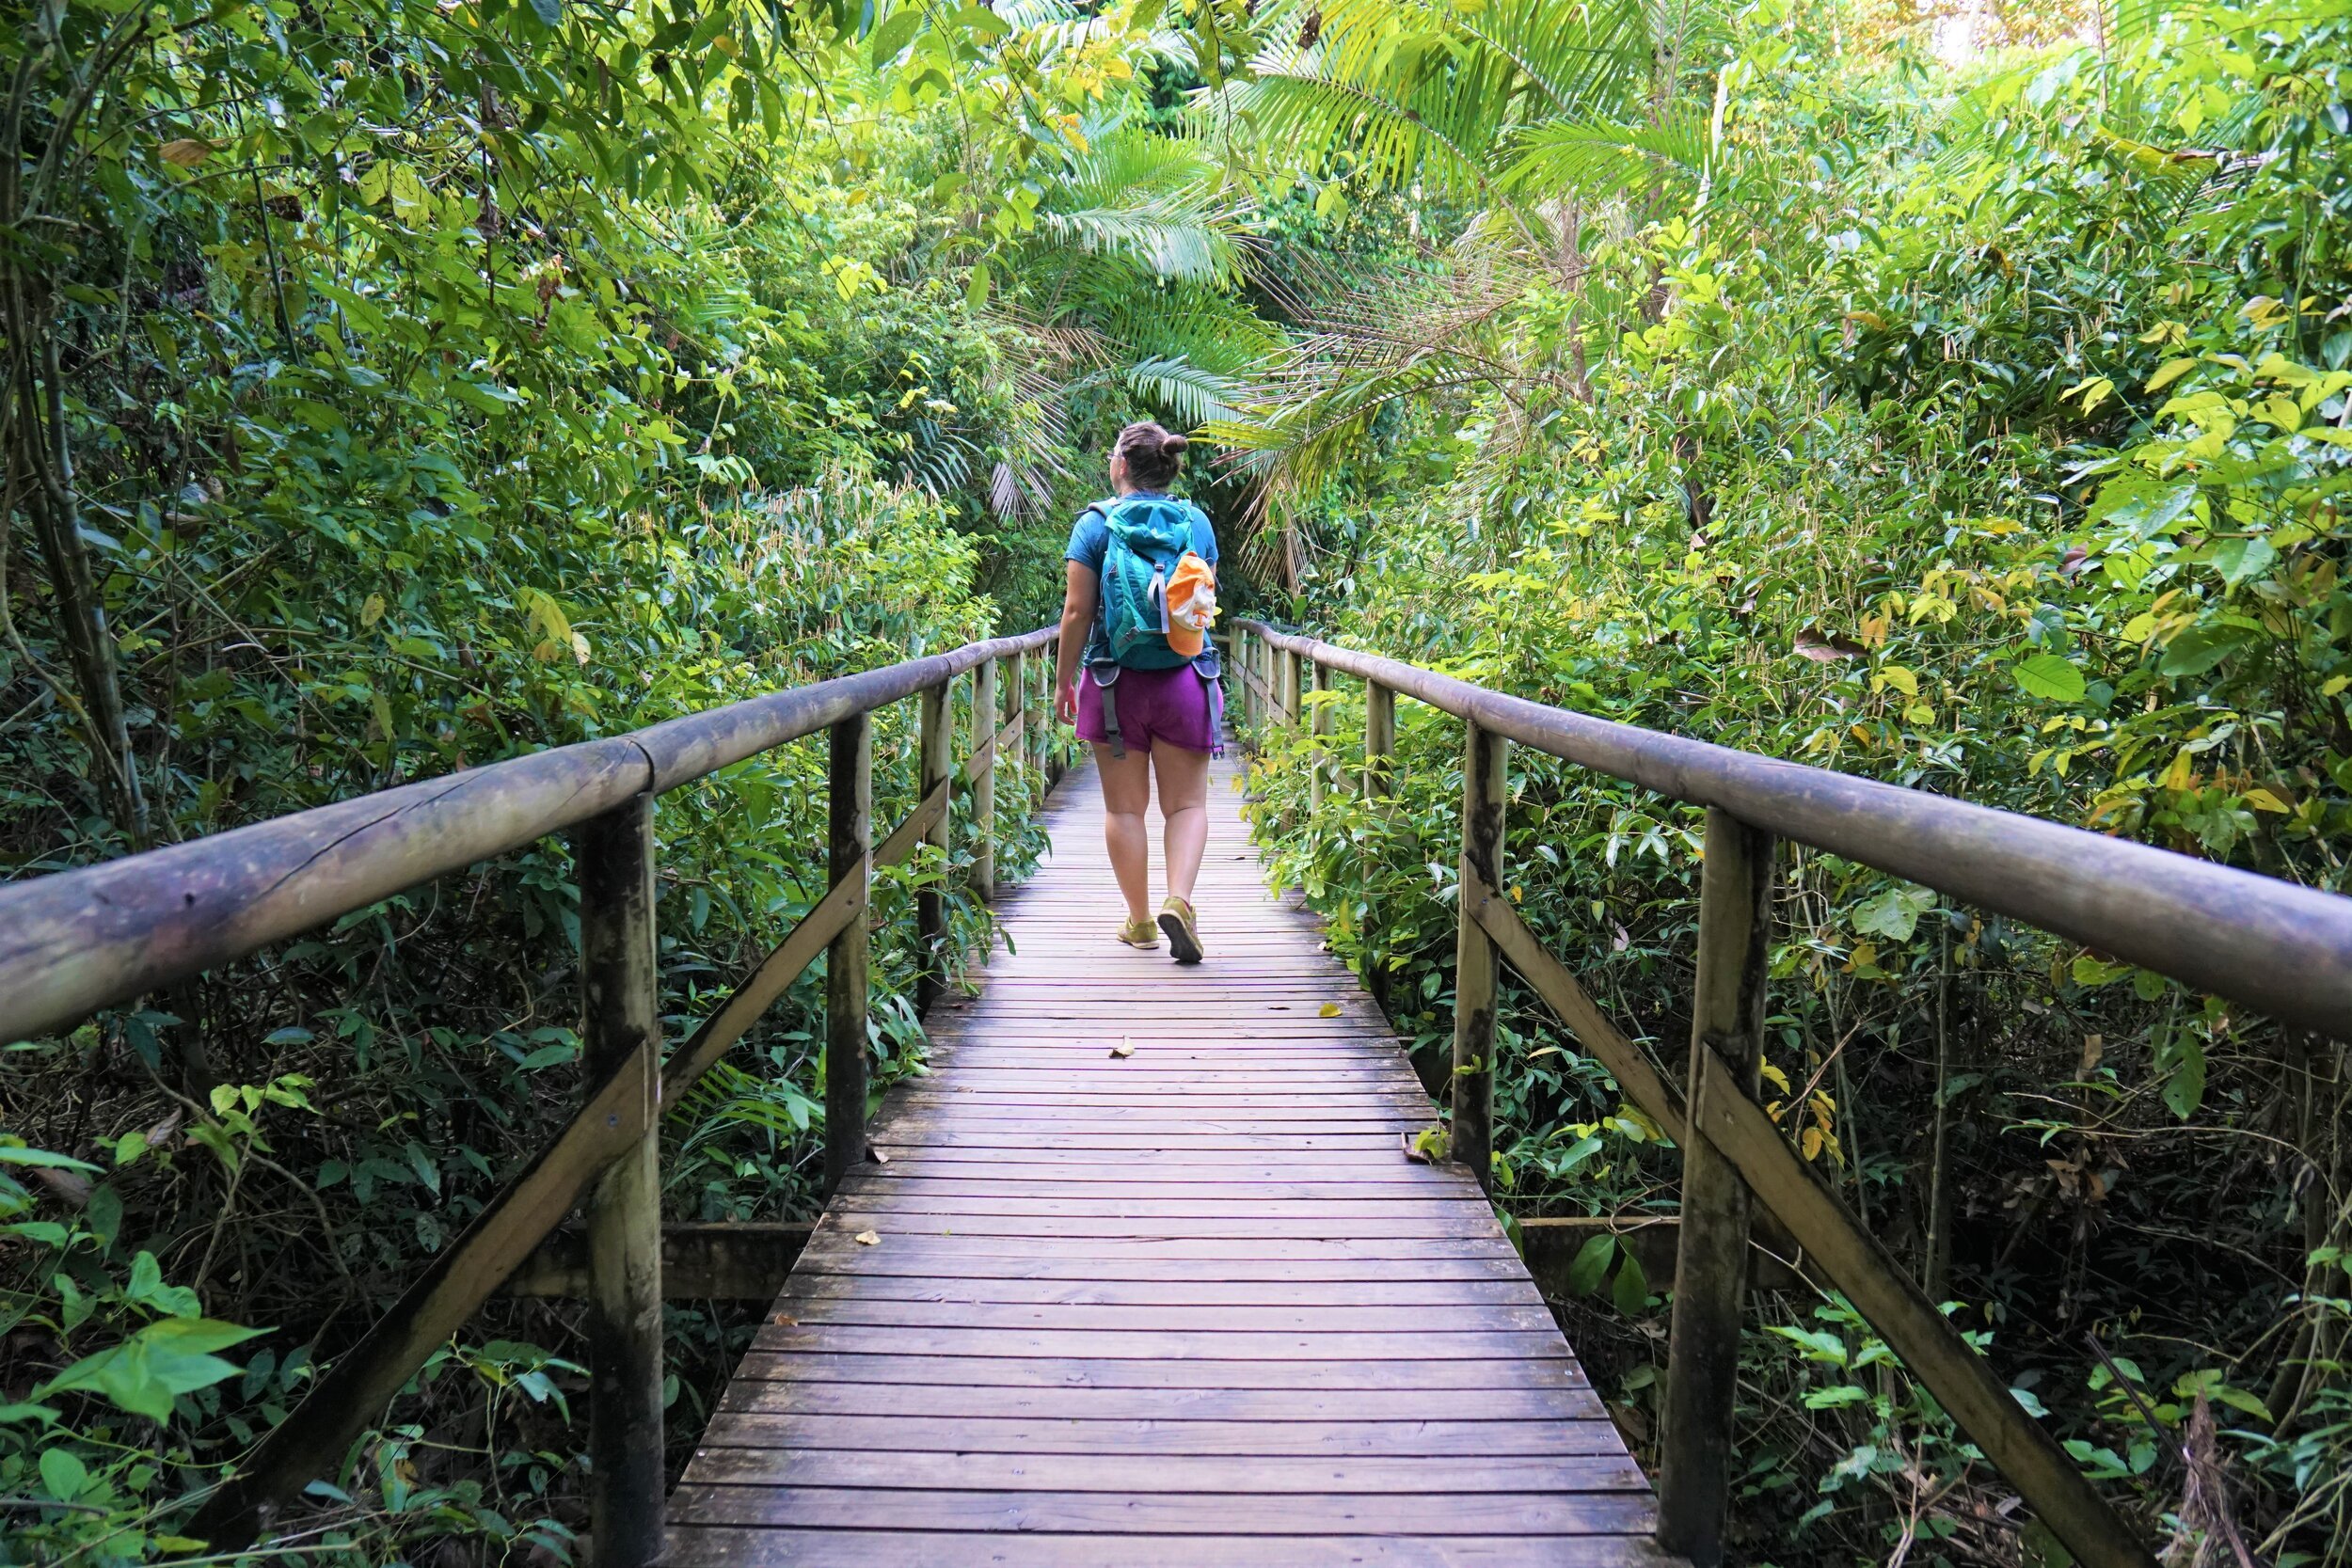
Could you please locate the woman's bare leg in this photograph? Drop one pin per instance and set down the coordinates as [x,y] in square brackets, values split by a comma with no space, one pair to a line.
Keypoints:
[1126,795]
[1183,779]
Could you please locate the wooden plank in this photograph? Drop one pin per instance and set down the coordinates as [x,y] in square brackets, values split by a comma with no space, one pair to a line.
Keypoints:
[1165,1345]
[772,1547]
[1270,1314]
[1253,1475]
[1351,1294]
[1242,1513]
[1160,1436]
[1270,1410]
[1465,1375]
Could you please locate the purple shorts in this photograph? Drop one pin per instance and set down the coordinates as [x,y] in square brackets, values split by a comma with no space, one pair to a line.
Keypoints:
[1171,706]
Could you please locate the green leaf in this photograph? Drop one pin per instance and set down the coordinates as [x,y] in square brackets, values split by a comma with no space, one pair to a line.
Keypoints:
[2183,1060]
[2238,559]
[896,31]
[1894,913]
[549,11]
[2050,677]
[147,1288]
[2200,648]
[63,1475]
[1631,1291]
[18,1155]
[1591,1264]
[155,1366]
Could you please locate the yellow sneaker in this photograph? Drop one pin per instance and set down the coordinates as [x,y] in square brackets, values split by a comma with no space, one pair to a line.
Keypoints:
[1183,936]
[1141,933]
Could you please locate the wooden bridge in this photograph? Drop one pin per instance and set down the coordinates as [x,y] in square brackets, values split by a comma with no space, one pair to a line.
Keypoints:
[1140,1275]
[1146,1279]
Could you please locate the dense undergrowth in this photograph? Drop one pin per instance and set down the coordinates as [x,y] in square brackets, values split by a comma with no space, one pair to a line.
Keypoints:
[1987,437]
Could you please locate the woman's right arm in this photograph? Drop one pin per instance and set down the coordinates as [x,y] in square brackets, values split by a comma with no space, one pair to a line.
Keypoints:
[1077,620]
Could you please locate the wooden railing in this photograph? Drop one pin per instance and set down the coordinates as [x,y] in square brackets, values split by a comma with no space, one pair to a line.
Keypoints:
[80,941]
[2279,949]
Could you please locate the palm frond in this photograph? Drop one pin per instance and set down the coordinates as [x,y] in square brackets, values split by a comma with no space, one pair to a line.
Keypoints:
[1595,158]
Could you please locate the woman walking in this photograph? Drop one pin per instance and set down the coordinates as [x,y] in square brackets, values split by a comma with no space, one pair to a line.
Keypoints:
[1139,678]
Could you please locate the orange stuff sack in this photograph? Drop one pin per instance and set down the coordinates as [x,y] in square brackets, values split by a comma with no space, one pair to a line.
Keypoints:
[1191,605]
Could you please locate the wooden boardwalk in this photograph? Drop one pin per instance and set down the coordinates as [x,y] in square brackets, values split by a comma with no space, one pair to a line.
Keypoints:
[1185,1307]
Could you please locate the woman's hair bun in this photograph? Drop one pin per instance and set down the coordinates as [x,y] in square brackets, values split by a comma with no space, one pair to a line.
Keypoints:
[1151,452]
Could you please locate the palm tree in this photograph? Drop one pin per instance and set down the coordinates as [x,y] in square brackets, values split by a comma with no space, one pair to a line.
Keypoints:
[1538,113]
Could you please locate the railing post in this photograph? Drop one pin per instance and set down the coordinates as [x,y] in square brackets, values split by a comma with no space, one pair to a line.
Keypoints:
[622,1033]
[1710,1268]
[931,904]
[984,722]
[1379,740]
[1290,690]
[1017,701]
[849,820]
[1319,730]
[1484,754]
[1246,660]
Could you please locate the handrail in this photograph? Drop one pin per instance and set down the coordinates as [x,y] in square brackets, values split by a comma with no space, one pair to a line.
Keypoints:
[83,940]
[2281,949]
[78,941]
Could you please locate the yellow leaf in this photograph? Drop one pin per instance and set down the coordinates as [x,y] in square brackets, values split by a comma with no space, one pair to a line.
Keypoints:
[187,151]
[579,648]
[2182,773]
[373,610]
[1810,1144]
[1773,1076]
[869,1238]
[2170,371]
[2263,799]
[1899,679]
[1329,1010]
[2092,389]
[545,614]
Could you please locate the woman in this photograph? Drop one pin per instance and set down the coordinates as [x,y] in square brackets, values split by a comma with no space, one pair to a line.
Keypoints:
[1144,721]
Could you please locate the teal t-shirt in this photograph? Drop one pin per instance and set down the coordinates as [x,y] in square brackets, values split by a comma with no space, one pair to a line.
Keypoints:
[1090,540]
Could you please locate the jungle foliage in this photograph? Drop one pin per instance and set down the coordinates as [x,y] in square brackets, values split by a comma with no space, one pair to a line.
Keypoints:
[1984,432]
[394,388]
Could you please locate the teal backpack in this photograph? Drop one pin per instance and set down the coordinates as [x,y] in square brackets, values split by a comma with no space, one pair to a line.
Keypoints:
[1150,535]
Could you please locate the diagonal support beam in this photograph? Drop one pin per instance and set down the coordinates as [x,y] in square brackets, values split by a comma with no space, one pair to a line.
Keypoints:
[1653,1095]
[1834,1242]
[848,900]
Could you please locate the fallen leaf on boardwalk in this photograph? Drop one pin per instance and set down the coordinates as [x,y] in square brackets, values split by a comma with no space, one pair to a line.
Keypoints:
[784,1320]
[869,1238]
[879,1156]
[1124,1048]
[1329,1010]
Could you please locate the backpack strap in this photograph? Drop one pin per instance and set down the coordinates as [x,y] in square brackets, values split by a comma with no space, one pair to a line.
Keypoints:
[1105,680]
